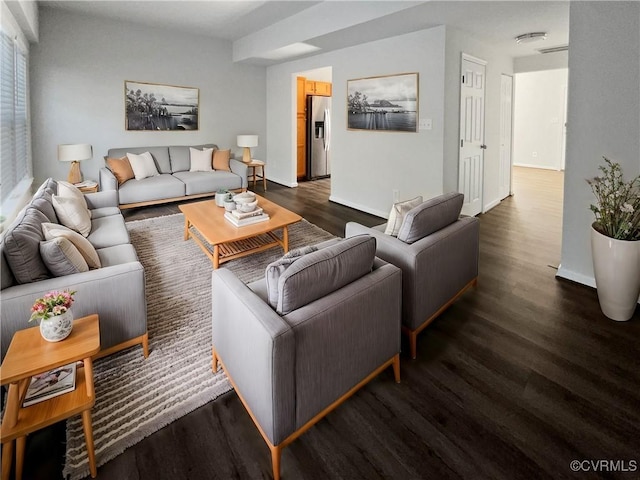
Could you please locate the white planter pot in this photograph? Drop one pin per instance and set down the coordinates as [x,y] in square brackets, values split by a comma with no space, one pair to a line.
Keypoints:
[616,264]
[57,328]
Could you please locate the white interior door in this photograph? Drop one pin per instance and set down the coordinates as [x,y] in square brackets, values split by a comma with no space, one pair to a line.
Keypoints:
[471,168]
[506,124]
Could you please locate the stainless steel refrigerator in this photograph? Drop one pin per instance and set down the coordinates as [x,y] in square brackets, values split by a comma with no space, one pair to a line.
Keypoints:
[318,137]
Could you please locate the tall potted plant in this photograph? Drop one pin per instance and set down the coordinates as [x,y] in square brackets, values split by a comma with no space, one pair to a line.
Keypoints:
[615,241]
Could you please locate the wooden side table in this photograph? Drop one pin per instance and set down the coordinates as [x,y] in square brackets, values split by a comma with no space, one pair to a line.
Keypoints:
[30,354]
[253,164]
[93,188]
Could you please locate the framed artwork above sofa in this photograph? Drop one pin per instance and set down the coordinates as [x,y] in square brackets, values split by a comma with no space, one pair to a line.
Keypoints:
[157,107]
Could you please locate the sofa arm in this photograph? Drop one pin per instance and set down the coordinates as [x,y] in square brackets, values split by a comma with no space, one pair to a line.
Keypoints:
[240,168]
[107,180]
[115,293]
[256,347]
[107,198]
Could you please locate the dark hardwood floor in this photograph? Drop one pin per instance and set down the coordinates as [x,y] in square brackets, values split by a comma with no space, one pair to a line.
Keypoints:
[517,379]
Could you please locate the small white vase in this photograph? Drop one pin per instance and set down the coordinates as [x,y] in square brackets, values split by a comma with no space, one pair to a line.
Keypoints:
[57,328]
[616,265]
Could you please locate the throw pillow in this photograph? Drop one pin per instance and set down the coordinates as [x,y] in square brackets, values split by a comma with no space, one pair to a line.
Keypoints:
[62,258]
[221,160]
[276,269]
[397,214]
[84,246]
[121,169]
[200,159]
[431,216]
[69,190]
[142,165]
[21,247]
[73,214]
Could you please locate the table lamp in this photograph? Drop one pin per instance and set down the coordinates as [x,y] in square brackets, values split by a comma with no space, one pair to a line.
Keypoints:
[247,141]
[74,153]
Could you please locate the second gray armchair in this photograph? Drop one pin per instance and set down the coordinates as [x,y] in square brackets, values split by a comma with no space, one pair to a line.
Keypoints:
[438,254]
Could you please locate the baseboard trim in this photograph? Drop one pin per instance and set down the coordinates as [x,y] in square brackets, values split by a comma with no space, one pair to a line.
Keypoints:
[357,206]
[491,205]
[282,182]
[576,277]
[531,165]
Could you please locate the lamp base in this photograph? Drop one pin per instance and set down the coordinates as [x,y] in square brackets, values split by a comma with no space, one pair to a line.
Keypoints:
[246,155]
[75,175]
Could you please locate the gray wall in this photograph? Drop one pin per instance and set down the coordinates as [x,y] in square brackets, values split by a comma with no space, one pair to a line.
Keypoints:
[367,166]
[78,71]
[603,116]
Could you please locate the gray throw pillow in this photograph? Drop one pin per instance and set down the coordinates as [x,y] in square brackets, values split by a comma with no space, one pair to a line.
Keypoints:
[62,258]
[319,273]
[276,269]
[430,216]
[22,247]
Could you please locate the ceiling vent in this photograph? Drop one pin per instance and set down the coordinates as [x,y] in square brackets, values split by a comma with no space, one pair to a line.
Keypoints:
[559,48]
[531,37]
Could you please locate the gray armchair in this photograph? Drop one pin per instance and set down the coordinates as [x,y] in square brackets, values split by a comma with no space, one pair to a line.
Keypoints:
[438,254]
[297,346]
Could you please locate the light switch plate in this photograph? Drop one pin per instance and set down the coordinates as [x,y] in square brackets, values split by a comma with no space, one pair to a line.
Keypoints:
[425,124]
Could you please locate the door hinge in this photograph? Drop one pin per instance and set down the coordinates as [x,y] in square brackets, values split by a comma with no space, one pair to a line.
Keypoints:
[461,143]
[463,79]
[483,147]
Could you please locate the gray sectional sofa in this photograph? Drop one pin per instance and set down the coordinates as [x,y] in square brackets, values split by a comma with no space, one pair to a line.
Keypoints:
[175,181]
[115,291]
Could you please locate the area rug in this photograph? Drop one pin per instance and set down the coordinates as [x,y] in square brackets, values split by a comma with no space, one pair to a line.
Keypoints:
[136,397]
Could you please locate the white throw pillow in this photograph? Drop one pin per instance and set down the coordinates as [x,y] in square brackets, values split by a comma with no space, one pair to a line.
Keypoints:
[397,214]
[200,159]
[69,190]
[73,214]
[142,165]
[84,246]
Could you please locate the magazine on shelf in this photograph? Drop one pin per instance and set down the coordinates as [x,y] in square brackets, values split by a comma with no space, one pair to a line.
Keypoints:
[245,221]
[86,183]
[240,215]
[50,384]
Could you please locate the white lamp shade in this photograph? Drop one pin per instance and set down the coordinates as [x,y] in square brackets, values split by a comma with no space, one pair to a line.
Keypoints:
[247,140]
[74,152]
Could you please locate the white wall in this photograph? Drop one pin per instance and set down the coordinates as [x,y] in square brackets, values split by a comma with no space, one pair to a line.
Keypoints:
[538,62]
[77,88]
[367,166]
[458,42]
[538,118]
[603,118]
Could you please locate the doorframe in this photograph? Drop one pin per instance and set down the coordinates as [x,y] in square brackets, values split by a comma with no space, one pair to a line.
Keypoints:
[513,80]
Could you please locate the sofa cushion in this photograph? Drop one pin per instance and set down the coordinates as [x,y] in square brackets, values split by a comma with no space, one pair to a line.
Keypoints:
[208,182]
[104,212]
[142,165]
[275,270]
[121,169]
[73,214]
[108,231]
[69,190]
[42,199]
[319,273]
[431,216]
[397,214]
[6,276]
[179,155]
[200,159]
[152,188]
[117,255]
[160,155]
[62,258]
[21,246]
[221,160]
[88,252]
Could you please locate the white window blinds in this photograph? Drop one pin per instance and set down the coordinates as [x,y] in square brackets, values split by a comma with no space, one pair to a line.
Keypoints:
[14,131]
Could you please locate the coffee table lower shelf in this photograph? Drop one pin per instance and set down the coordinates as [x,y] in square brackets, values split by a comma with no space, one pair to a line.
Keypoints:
[224,252]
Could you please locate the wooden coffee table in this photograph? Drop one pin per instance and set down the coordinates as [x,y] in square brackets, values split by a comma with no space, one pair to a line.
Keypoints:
[221,241]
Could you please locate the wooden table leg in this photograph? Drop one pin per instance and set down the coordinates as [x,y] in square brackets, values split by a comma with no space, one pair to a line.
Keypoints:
[186,228]
[20,447]
[216,257]
[7,459]
[285,239]
[88,376]
[88,436]
[264,179]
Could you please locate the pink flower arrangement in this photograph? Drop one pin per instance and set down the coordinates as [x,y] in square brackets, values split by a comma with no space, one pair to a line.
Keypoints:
[53,303]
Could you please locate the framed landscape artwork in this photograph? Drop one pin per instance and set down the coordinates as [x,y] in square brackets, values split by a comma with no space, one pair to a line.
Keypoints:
[152,106]
[388,103]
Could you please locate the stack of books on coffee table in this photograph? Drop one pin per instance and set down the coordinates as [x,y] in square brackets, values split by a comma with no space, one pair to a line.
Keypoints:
[241,219]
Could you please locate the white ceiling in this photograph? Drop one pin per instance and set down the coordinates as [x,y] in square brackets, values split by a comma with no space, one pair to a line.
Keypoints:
[496,23]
